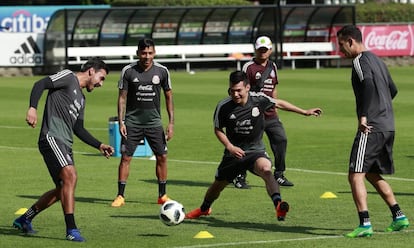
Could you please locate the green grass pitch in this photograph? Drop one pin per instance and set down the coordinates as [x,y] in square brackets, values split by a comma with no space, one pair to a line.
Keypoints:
[317,156]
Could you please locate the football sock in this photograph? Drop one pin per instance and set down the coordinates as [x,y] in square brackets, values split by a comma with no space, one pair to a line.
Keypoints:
[206,205]
[276,198]
[31,213]
[364,218]
[121,188]
[161,188]
[396,212]
[70,221]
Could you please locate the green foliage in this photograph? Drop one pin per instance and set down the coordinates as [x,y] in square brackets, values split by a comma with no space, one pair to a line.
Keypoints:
[370,12]
[316,162]
[373,12]
[177,2]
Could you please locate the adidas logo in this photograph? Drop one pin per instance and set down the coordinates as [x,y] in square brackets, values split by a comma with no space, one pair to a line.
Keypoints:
[29,46]
[27,53]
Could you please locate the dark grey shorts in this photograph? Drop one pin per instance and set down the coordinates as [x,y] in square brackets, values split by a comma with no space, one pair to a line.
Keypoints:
[56,155]
[135,136]
[230,167]
[372,153]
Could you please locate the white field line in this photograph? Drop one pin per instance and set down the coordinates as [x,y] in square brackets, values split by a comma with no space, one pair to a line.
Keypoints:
[278,241]
[214,163]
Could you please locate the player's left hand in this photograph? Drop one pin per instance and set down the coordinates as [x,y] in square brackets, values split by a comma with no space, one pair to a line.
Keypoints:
[314,111]
[169,131]
[106,150]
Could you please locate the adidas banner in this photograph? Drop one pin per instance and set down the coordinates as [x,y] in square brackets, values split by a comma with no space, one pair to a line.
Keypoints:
[21,49]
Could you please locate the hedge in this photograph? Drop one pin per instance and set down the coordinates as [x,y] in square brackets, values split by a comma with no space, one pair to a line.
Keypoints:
[370,12]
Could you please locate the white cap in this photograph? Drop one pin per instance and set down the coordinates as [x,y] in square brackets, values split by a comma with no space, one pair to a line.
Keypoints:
[263,41]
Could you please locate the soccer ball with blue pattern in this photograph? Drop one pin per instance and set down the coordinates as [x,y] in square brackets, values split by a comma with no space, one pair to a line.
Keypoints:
[172,213]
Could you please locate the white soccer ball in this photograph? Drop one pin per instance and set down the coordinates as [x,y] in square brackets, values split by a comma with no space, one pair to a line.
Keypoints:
[172,213]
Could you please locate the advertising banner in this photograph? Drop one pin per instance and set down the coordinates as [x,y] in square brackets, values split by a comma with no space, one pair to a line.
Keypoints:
[385,40]
[390,41]
[21,49]
[22,32]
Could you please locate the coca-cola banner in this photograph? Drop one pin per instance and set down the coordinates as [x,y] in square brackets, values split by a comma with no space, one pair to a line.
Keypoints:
[386,40]
[389,40]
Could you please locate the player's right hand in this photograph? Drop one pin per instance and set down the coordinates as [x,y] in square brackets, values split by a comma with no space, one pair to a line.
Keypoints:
[31,117]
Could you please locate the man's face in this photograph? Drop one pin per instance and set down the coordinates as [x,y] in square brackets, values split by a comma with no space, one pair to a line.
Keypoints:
[96,79]
[146,56]
[345,46]
[263,53]
[239,92]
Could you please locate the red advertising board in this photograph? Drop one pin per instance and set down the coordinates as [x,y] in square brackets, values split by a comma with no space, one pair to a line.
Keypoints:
[392,40]
[386,40]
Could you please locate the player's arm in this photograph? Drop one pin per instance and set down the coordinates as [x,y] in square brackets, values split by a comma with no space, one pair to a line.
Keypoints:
[86,137]
[234,150]
[170,111]
[122,97]
[287,106]
[393,88]
[368,89]
[35,95]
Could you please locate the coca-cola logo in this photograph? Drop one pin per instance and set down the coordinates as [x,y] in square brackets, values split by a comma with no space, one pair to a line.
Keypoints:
[395,40]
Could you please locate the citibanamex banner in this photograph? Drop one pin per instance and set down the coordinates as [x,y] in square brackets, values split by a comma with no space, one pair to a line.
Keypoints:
[22,31]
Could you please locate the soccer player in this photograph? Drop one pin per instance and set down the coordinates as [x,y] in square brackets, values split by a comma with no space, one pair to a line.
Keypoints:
[139,115]
[371,154]
[262,74]
[239,125]
[63,116]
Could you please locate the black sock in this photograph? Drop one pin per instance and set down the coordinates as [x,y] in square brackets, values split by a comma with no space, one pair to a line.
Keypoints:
[161,188]
[396,212]
[121,188]
[205,205]
[70,221]
[364,218]
[31,213]
[276,198]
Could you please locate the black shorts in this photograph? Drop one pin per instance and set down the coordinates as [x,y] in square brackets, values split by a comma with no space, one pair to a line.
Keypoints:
[56,155]
[230,167]
[135,136]
[372,153]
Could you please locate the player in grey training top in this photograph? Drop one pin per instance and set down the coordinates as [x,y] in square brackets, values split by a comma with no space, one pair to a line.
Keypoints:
[63,116]
[144,91]
[139,115]
[371,154]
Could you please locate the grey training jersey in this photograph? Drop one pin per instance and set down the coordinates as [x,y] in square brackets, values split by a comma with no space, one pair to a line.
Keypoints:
[144,90]
[65,104]
[244,125]
[380,113]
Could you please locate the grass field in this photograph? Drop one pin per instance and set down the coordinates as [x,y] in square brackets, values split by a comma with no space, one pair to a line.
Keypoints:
[317,159]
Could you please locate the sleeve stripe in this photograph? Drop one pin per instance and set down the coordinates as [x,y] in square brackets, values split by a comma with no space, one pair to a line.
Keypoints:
[357,67]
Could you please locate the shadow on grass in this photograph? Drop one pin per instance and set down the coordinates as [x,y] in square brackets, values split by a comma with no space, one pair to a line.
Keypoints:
[11,231]
[249,226]
[181,182]
[376,193]
[81,199]
[196,183]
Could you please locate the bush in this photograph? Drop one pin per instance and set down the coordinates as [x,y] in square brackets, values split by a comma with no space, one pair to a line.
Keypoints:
[373,12]
[177,2]
[370,12]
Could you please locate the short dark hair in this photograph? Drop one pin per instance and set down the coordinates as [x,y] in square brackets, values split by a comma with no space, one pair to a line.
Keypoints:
[350,31]
[236,77]
[144,43]
[95,63]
